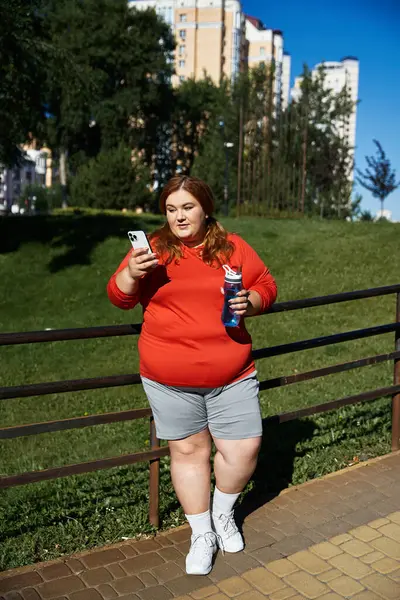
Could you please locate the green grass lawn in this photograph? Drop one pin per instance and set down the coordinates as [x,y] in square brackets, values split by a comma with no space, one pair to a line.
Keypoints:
[53,275]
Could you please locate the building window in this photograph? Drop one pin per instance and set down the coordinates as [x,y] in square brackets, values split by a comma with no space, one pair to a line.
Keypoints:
[181,78]
[182,50]
[182,34]
[262,51]
[183,17]
[181,64]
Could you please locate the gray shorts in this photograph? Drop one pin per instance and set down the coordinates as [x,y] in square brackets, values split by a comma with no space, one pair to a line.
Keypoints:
[231,412]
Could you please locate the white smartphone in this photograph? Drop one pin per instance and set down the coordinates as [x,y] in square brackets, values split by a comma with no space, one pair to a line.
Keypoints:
[138,240]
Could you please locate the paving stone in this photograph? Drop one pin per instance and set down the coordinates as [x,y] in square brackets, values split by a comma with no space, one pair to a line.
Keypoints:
[169,553]
[253,595]
[88,594]
[378,523]
[146,546]
[75,565]
[392,530]
[241,562]
[128,584]
[366,595]
[395,575]
[395,517]
[314,536]
[282,515]
[266,555]
[340,539]
[15,582]
[101,558]
[350,566]
[292,544]
[265,581]
[387,546]
[116,571]
[283,594]
[331,596]
[187,584]
[234,586]
[281,567]
[158,592]
[325,550]
[385,565]
[345,586]
[142,562]
[388,589]
[58,587]
[14,595]
[30,594]
[180,536]
[356,548]
[205,592]
[164,541]
[96,576]
[309,562]
[128,550]
[107,592]
[221,570]
[365,533]
[55,571]
[329,575]
[219,596]
[167,571]
[147,578]
[372,557]
[333,528]
[258,540]
[307,585]
[361,517]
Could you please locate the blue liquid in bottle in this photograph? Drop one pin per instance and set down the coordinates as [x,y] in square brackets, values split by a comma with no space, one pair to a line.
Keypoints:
[232,285]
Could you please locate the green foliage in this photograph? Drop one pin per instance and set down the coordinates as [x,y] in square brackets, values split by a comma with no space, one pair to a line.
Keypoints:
[379,178]
[24,53]
[114,179]
[54,273]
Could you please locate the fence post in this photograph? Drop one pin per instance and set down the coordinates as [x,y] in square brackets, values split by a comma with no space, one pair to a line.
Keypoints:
[396,381]
[154,479]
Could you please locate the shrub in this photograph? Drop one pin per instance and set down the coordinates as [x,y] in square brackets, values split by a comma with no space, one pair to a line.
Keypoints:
[112,180]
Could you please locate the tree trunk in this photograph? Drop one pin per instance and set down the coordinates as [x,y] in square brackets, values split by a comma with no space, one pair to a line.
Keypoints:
[63,177]
[382,201]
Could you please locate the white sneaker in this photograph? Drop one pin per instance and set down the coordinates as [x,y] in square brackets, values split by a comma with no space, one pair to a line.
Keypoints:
[228,535]
[202,550]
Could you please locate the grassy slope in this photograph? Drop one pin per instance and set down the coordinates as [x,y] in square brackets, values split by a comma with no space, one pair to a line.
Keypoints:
[53,274]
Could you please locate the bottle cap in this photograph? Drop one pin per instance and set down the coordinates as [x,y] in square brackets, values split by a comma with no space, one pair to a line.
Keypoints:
[232,276]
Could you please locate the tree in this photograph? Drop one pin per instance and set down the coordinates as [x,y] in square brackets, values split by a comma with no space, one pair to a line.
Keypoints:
[115,84]
[24,52]
[379,178]
[116,178]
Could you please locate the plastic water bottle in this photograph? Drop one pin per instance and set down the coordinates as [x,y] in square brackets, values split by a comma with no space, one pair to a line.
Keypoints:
[232,285]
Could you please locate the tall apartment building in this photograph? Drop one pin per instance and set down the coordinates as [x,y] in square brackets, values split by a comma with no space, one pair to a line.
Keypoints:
[208,35]
[214,36]
[266,45]
[337,76]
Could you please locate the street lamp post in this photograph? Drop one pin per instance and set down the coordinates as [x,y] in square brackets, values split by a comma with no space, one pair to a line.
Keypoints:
[227,146]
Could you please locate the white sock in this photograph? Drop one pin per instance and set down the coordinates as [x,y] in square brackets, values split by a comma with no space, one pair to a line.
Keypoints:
[223,503]
[200,523]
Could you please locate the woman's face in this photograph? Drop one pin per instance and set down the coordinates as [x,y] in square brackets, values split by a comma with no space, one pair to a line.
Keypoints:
[186,218]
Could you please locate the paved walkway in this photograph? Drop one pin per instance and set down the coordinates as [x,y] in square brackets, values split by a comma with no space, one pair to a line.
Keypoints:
[332,538]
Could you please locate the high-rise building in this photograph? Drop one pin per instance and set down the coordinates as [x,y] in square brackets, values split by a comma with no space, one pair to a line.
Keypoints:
[337,76]
[207,32]
[215,37]
[266,45]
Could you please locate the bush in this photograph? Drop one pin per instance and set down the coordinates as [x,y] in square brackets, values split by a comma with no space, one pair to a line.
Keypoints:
[112,180]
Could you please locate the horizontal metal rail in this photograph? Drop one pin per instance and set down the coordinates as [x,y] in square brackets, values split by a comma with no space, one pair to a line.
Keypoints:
[339,368]
[333,404]
[128,415]
[56,335]
[80,468]
[74,423]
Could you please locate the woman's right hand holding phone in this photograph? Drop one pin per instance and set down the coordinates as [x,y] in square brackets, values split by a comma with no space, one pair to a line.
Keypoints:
[141,262]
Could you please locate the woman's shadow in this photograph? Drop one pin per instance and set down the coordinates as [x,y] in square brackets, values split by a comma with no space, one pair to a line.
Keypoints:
[275,467]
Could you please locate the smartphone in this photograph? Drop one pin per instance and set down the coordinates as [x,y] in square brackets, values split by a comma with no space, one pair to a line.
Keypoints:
[138,240]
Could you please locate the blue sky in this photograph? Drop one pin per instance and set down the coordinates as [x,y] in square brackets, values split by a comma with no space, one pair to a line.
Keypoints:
[315,30]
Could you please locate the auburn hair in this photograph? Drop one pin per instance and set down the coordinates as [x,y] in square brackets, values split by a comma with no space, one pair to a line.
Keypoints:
[217,248]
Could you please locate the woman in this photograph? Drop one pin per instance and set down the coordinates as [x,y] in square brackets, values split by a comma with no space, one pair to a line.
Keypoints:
[198,375]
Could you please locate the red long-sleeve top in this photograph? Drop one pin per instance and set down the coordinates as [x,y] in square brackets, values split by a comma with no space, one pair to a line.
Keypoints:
[183,341]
